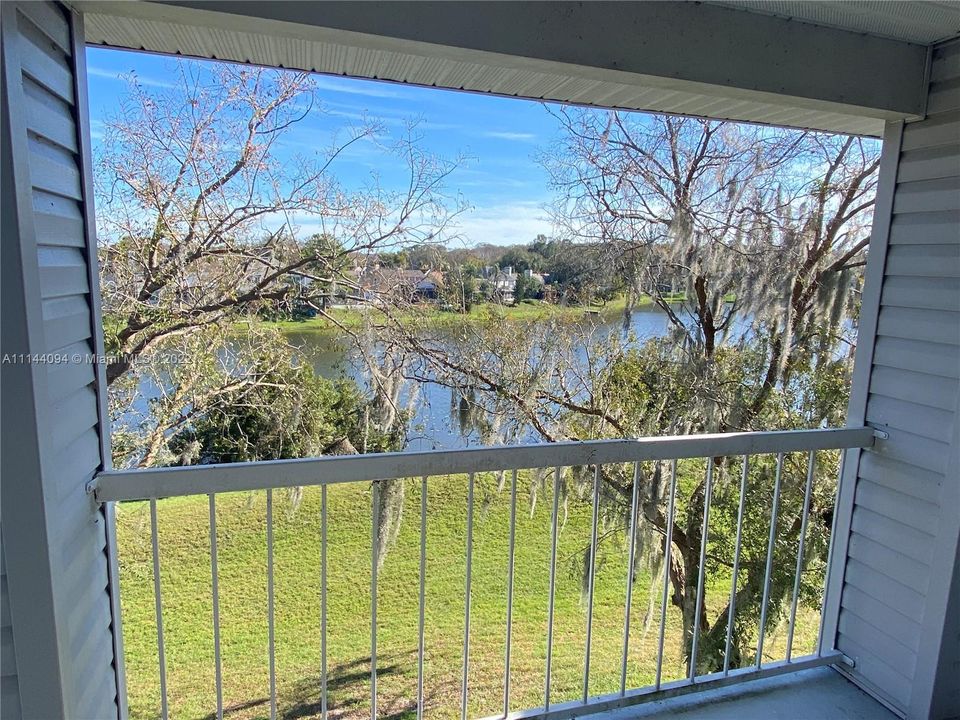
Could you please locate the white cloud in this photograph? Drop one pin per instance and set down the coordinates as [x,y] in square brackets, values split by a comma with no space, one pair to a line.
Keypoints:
[466,176]
[370,118]
[367,88]
[505,224]
[303,224]
[493,184]
[96,129]
[431,125]
[124,76]
[504,135]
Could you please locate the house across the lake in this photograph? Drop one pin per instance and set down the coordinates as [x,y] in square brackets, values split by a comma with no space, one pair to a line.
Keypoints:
[501,281]
[381,285]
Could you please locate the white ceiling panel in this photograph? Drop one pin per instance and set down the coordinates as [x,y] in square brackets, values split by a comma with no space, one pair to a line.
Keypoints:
[916,21]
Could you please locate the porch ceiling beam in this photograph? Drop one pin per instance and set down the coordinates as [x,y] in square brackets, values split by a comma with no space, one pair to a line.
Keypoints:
[693,50]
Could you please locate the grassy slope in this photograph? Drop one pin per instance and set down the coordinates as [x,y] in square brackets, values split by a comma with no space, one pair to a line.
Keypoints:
[242,571]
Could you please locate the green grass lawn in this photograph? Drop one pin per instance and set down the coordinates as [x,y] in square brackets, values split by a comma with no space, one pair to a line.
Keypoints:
[187,605]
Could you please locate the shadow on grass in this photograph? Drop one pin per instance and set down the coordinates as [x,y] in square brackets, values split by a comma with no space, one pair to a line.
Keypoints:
[347,692]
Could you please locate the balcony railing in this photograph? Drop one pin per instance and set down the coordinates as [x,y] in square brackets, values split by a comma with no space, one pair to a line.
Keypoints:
[210,480]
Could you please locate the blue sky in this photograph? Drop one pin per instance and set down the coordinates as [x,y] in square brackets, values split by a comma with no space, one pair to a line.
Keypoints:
[501,181]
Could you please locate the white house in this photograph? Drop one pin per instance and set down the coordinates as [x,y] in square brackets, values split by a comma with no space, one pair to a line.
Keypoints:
[503,281]
[891,621]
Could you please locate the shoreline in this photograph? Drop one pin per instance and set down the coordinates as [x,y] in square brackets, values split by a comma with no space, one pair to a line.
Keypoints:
[434,317]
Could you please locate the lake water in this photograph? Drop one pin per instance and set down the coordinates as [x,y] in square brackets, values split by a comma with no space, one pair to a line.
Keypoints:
[438,422]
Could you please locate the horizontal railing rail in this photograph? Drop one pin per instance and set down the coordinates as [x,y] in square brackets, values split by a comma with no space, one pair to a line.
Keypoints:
[153,483]
[211,480]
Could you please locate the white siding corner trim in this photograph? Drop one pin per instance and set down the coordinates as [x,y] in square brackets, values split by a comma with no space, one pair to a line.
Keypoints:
[900,504]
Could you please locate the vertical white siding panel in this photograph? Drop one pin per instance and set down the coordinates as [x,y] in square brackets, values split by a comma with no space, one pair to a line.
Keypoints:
[900,500]
[946,693]
[75,675]
[9,690]
[935,685]
[32,681]
[10,697]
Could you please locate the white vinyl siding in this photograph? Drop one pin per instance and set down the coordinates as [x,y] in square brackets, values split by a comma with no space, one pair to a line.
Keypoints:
[902,513]
[9,690]
[49,103]
[946,698]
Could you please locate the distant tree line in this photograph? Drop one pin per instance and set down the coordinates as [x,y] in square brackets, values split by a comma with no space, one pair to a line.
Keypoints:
[578,272]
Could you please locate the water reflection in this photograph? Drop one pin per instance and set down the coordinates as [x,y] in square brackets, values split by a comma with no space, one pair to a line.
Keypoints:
[446,418]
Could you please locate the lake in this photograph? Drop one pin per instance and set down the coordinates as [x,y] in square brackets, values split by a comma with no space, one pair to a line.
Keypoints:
[438,421]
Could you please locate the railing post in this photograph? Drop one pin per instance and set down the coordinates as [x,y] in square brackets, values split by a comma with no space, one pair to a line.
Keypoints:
[732,605]
[215,592]
[323,602]
[553,585]
[270,613]
[421,593]
[701,577]
[158,607]
[811,465]
[464,695]
[825,597]
[769,566]
[668,546]
[631,560]
[374,567]
[510,567]
[591,580]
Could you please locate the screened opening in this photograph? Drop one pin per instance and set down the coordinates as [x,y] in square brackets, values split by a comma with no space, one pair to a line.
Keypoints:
[300,266]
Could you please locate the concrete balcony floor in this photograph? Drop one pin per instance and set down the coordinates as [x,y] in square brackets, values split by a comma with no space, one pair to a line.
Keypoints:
[816,694]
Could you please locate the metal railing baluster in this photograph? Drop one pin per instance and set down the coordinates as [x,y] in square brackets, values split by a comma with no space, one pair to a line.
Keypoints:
[466,602]
[215,592]
[158,603]
[833,534]
[323,602]
[591,580]
[811,464]
[553,585]
[374,562]
[631,559]
[732,605]
[668,546]
[701,576]
[421,594]
[510,567]
[769,567]
[270,614]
